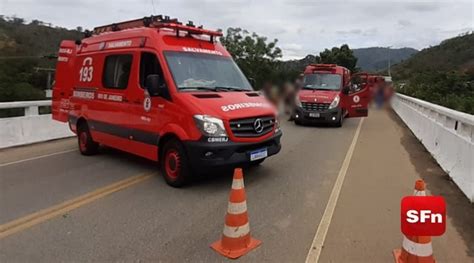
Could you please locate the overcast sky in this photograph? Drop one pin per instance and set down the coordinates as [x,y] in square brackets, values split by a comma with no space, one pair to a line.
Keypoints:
[301,26]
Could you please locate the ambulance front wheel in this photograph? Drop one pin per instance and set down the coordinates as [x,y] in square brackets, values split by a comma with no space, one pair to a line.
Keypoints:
[339,121]
[174,163]
[87,146]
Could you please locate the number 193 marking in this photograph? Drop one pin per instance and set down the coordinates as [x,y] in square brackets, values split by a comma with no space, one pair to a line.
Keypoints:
[87,70]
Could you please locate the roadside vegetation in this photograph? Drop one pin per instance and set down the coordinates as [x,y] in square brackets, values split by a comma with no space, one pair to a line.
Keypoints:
[443,74]
[27,51]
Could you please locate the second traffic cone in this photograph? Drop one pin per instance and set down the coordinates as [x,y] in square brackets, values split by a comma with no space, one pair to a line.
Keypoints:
[236,240]
[415,249]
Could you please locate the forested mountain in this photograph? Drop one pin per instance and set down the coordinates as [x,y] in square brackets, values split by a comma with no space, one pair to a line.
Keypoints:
[442,74]
[23,47]
[375,59]
[372,59]
[452,54]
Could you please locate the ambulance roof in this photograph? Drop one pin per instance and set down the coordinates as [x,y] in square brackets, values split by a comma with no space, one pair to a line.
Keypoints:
[153,32]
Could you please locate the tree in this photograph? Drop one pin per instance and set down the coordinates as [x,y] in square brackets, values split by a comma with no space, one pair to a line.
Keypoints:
[342,56]
[36,22]
[256,57]
[18,21]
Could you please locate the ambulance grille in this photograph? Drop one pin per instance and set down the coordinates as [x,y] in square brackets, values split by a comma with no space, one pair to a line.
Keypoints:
[249,127]
[310,106]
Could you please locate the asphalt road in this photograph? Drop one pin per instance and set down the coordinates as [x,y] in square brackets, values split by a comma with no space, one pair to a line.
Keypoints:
[150,221]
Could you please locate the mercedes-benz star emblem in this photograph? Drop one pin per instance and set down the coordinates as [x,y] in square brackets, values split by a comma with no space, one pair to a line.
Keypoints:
[258,125]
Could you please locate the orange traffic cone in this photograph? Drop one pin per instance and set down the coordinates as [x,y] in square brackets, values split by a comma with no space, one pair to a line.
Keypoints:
[415,249]
[236,240]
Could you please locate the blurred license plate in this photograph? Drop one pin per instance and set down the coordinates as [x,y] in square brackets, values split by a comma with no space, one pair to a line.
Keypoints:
[314,114]
[258,154]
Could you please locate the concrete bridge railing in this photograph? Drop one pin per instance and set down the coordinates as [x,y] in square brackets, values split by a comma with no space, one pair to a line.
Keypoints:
[447,134]
[30,128]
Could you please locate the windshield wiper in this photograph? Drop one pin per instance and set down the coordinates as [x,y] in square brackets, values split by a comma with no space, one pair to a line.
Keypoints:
[198,88]
[216,88]
[315,88]
[230,88]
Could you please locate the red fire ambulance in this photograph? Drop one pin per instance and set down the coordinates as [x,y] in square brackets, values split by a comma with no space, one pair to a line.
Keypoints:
[329,94]
[165,91]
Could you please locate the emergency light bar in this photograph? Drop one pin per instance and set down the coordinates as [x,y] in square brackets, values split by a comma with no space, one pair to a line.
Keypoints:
[159,21]
[325,67]
[328,66]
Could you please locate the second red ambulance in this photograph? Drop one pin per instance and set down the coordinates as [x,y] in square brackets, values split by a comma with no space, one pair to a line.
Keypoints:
[329,94]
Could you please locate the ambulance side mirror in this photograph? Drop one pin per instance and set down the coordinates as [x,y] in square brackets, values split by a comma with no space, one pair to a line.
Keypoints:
[152,84]
[346,90]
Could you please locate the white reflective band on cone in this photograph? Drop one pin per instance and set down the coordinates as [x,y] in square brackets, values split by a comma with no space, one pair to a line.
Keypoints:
[419,193]
[236,231]
[237,208]
[421,250]
[237,184]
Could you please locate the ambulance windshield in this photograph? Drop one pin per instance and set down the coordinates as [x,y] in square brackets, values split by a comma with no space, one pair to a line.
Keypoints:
[193,71]
[322,81]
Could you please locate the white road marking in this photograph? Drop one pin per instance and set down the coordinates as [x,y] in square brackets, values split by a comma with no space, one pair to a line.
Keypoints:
[37,157]
[318,241]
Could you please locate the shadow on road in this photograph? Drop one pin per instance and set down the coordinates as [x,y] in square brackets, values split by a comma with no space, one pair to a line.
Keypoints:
[460,210]
[220,178]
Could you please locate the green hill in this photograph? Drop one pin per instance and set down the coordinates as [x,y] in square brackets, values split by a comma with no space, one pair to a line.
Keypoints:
[443,74]
[452,54]
[22,50]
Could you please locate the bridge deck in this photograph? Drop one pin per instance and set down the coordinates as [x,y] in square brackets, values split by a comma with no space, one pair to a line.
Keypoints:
[287,197]
[386,163]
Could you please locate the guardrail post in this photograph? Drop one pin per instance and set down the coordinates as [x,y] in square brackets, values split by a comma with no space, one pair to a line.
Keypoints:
[31,111]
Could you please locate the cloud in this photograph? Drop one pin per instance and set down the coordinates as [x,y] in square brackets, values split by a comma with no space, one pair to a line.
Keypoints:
[301,26]
[404,23]
[423,6]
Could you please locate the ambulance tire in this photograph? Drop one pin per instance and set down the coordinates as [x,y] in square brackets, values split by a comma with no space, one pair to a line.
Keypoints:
[87,146]
[174,164]
[339,121]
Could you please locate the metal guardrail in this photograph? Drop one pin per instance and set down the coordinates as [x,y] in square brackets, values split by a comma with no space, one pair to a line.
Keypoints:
[31,107]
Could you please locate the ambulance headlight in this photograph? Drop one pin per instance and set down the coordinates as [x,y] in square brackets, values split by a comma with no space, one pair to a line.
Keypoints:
[277,124]
[210,126]
[335,102]
[297,101]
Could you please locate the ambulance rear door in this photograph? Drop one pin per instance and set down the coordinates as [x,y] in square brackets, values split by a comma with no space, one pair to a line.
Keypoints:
[357,96]
[62,87]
